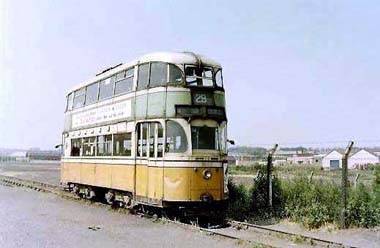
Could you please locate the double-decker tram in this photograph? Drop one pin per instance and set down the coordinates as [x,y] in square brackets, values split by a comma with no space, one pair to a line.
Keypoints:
[150,133]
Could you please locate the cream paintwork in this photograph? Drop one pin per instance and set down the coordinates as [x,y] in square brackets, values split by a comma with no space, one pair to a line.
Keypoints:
[178,58]
[158,183]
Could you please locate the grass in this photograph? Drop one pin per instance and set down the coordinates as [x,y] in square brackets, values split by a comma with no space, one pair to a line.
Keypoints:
[314,203]
[292,171]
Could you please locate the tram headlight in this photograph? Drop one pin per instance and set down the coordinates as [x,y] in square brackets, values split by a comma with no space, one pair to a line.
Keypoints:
[207,174]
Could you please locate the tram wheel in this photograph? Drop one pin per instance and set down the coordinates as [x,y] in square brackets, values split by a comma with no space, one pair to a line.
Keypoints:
[89,193]
[110,197]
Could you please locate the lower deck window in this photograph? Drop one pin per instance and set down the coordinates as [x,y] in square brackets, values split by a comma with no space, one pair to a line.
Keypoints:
[204,137]
[89,146]
[176,141]
[76,145]
[150,140]
[104,146]
[122,144]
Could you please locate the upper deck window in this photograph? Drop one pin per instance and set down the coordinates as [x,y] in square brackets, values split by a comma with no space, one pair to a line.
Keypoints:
[79,96]
[69,104]
[106,88]
[143,76]
[92,93]
[158,74]
[124,81]
[199,76]
[175,74]
[219,79]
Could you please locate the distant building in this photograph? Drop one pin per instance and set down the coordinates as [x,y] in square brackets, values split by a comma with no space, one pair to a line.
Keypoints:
[246,160]
[362,158]
[333,160]
[43,155]
[18,156]
[279,162]
[283,154]
[303,158]
[317,159]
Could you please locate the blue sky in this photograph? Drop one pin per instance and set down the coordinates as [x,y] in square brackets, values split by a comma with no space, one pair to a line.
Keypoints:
[295,71]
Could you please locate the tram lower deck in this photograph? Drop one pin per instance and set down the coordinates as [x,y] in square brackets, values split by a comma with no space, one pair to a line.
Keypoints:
[160,184]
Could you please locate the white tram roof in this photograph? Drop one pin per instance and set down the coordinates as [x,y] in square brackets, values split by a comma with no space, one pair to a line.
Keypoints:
[168,57]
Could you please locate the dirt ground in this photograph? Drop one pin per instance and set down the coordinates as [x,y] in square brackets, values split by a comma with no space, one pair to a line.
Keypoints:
[35,219]
[49,173]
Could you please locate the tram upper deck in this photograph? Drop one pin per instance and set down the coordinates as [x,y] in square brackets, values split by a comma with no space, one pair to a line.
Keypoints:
[158,85]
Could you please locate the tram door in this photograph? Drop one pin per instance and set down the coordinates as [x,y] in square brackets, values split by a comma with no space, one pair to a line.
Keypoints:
[141,173]
[155,162]
[149,162]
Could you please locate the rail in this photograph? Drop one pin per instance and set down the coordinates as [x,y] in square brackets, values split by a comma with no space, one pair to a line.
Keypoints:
[58,190]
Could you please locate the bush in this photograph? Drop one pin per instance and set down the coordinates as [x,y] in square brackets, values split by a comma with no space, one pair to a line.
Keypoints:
[313,204]
[363,208]
[238,207]
[259,197]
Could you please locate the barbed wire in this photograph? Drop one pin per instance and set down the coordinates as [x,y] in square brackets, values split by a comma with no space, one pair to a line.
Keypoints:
[320,144]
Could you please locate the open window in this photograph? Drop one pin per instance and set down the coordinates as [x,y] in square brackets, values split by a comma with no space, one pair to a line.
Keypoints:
[199,76]
[204,137]
[76,146]
[122,144]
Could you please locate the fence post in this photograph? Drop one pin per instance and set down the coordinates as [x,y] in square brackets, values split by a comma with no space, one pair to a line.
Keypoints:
[269,176]
[345,183]
[356,179]
[311,176]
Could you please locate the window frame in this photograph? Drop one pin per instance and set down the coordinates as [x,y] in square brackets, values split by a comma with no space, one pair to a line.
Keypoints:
[97,93]
[104,143]
[221,77]
[183,77]
[69,103]
[124,78]
[128,134]
[216,138]
[94,144]
[150,74]
[112,82]
[166,138]
[75,96]
[139,133]
[138,76]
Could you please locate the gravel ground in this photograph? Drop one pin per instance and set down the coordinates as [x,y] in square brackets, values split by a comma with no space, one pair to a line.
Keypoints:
[35,219]
[50,173]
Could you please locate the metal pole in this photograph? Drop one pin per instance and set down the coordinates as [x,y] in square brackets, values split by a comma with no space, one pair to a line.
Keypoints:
[269,176]
[345,183]
[357,179]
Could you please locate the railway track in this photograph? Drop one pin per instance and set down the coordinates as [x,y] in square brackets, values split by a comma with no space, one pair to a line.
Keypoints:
[239,231]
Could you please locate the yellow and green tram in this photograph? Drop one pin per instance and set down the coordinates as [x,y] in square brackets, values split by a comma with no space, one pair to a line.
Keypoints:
[152,132]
